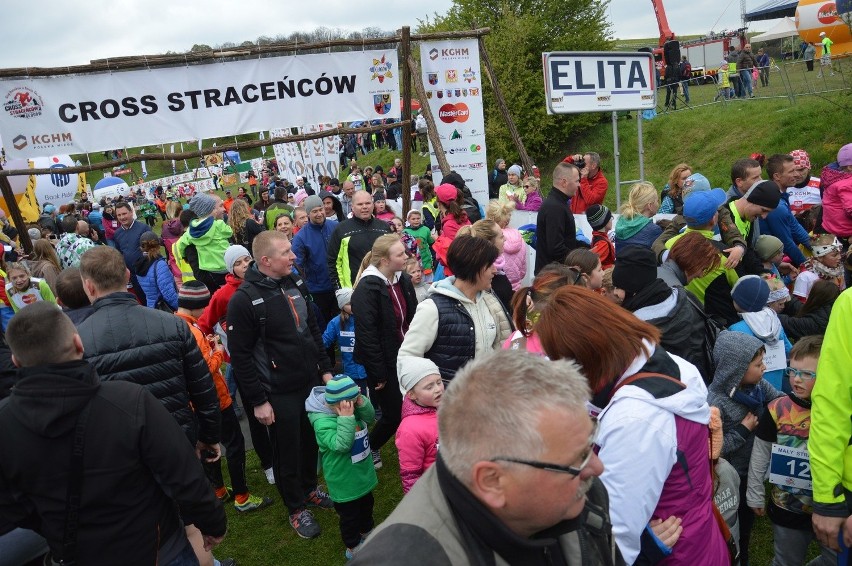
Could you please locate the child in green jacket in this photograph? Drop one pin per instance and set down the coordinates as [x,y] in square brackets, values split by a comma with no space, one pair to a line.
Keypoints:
[340,415]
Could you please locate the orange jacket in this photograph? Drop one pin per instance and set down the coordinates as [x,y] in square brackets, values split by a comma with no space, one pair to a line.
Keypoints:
[213,357]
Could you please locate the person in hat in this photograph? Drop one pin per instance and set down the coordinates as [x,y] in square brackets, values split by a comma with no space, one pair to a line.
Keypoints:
[229,200]
[417,436]
[512,190]
[380,206]
[825,58]
[340,415]
[738,224]
[770,250]
[782,169]
[640,291]
[694,183]
[310,245]
[452,217]
[211,237]
[826,264]
[599,218]
[497,179]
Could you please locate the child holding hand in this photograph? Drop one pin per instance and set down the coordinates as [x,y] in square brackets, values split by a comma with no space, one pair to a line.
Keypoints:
[340,415]
[417,435]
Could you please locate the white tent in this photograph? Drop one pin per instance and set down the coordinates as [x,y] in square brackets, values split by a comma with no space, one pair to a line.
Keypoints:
[782,30]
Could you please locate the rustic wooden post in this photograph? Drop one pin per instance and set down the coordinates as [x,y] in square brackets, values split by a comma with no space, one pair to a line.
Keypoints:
[15,212]
[504,109]
[405,79]
[430,118]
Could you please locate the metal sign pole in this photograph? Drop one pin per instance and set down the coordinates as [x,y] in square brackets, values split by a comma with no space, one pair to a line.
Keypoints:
[641,146]
[617,155]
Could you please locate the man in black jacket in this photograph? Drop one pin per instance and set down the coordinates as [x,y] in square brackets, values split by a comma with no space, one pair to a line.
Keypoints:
[135,471]
[556,233]
[352,239]
[278,355]
[127,341]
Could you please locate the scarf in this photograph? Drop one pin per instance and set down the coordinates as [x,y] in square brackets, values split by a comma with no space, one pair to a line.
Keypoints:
[822,271]
[751,396]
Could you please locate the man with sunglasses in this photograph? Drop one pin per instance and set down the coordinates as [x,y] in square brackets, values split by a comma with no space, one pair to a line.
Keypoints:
[516,478]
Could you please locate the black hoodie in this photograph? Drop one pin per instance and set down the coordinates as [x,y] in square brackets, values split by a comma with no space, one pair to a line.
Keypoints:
[137,466]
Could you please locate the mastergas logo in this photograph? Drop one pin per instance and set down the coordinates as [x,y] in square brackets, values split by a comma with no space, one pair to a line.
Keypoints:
[450,113]
[827,13]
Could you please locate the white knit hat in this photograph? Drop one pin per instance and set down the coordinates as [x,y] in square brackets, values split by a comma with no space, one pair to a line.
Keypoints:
[412,370]
[232,254]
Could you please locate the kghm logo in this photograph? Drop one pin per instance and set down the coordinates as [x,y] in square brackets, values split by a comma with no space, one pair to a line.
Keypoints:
[381,69]
[433,54]
[455,52]
[22,102]
[19,142]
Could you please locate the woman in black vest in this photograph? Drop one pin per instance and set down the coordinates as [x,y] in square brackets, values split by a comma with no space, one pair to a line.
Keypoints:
[461,318]
[383,306]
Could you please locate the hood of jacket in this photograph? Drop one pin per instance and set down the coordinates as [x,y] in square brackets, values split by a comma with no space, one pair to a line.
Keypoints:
[253,275]
[315,403]
[232,280]
[48,399]
[446,287]
[765,324]
[831,174]
[626,228]
[172,229]
[671,273]
[143,264]
[199,227]
[690,403]
[410,408]
[373,270]
[653,311]
[732,355]
[514,241]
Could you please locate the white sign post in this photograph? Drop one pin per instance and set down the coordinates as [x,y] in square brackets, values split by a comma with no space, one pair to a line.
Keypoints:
[598,81]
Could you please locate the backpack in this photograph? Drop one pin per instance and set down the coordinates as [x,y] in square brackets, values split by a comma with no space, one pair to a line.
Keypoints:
[472,208]
[711,332]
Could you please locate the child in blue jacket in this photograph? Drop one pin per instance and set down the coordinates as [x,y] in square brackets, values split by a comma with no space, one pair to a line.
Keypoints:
[341,331]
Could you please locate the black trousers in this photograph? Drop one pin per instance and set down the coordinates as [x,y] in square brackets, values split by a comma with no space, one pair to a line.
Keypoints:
[746,518]
[389,399]
[235,452]
[259,439]
[212,280]
[294,449]
[356,519]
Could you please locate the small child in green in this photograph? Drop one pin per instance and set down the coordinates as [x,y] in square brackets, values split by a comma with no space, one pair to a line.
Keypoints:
[424,239]
[340,415]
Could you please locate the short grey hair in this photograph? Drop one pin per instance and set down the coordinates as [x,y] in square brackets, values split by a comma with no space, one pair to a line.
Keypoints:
[594,157]
[492,407]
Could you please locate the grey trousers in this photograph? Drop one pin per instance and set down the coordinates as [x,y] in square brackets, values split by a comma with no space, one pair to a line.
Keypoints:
[791,547]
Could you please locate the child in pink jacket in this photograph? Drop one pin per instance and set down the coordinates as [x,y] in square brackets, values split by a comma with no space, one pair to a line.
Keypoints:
[417,435]
[513,260]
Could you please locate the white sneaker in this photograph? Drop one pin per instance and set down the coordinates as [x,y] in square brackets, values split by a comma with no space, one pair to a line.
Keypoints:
[270,476]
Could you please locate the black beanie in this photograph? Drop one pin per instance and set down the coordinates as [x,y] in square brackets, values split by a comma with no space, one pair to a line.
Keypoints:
[635,268]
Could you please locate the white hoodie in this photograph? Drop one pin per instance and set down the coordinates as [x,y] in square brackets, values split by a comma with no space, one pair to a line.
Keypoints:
[638,446]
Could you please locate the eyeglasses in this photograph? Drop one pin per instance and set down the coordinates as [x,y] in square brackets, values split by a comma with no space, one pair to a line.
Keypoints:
[527,186]
[571,470]
[803,374]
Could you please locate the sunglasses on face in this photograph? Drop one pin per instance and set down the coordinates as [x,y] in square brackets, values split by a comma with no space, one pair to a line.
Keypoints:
[571,470]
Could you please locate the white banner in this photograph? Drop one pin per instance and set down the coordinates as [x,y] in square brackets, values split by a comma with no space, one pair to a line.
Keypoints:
[453,83]
[88,113]
[288,155]
[322,156]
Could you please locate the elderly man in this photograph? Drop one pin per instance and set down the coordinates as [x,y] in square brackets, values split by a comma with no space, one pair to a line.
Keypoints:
[516,475]
[74,242]
[352,239]
[345,196]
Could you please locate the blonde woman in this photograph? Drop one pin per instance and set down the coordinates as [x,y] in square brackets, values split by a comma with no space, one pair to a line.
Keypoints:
[673,191]
[489,230]
[243,224]
[635,227]
[533,200]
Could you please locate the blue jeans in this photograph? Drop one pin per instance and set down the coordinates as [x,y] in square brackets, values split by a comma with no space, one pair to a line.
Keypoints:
[745,78]
[185,558]
[20,546]
[685,85]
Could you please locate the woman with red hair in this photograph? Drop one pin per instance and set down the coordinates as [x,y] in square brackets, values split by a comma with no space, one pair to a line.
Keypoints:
[653,415]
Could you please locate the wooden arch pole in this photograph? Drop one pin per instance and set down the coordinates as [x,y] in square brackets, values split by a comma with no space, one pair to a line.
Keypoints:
[405,80]
[15,212]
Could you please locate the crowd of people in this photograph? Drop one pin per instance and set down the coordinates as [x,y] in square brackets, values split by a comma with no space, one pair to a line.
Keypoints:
[551,413]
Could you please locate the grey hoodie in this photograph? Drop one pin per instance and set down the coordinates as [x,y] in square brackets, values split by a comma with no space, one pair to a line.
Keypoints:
[315,403]
[732,354]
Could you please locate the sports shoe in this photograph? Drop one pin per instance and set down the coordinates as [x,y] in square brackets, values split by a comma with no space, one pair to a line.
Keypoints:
[228,493]
[319,498]
[253,503]
[377,459]
[228,562]
[270,476]
[349,553]
[304,524]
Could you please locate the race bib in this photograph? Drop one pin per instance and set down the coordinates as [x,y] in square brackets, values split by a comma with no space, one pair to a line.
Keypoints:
[790,467]
[775,357]
[361,446]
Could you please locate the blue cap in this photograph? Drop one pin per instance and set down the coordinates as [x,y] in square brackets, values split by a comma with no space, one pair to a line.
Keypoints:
[699,207]
[49,209]
[695,183]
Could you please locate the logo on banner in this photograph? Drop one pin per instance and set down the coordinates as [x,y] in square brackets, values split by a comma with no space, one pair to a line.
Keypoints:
[453,53]
[433,78]
[450,113]
[456,150]
[451,76]
[464,92]
[475,148]
[827,13]
[433,54]
[382,103]
[440,93]
[22,102]
[449,92]
[429,94]
[477,165]
[19,142]
[474,92]
[456,135]
[59,179]
[458,92]
[381,70]
[469,75]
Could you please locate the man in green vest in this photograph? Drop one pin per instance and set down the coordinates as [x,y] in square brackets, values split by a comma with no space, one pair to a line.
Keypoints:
[825,60]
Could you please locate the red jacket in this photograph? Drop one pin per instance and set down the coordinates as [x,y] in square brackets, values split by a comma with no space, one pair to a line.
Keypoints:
[591,191]
[218,307]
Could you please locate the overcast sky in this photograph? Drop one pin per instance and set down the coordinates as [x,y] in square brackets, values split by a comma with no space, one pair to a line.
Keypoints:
[52,33]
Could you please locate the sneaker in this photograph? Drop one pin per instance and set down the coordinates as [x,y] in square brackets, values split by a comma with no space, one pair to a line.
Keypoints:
[253,503]
[304,524]
[226,495]
[270,476]
[319,498]
[377,459]
[349,553]
[228,562]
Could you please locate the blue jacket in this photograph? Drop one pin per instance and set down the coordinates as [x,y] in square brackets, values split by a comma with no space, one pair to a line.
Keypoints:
[157,281]
[345,338]
[127,242]
[311,248]
[783,225]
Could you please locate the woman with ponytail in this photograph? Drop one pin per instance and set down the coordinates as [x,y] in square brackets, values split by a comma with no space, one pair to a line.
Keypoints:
[636,227]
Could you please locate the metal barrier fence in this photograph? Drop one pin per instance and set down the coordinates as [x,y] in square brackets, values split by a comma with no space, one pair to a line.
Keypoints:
[786,79]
